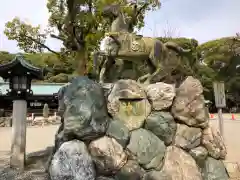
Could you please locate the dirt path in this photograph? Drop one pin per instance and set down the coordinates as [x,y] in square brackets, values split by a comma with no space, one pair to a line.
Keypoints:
[38,138]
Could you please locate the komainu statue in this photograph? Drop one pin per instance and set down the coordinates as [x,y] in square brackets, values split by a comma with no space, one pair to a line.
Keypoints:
[121,43]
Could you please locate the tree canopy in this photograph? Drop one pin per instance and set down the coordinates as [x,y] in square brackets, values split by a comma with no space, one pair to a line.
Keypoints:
[62,71]
[79,25]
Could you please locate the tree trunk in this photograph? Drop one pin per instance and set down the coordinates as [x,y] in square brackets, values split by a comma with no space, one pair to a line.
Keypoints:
[81,62]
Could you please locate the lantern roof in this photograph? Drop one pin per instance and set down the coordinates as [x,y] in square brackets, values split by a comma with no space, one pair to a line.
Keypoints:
[19,67]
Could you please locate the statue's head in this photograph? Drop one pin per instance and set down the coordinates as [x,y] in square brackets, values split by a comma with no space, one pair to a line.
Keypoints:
[111,11]
[109,46]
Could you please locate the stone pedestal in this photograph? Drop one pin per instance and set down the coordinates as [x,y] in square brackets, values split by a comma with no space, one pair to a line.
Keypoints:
[18,134]
[129,131]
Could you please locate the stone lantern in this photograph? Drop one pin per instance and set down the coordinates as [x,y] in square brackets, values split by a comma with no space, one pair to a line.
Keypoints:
[19,73]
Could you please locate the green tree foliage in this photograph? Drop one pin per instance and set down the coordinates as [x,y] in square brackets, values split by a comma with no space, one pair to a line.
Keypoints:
[5,57]
[79,25]
[57,68]
[219,51]
[222,59]
[229,71]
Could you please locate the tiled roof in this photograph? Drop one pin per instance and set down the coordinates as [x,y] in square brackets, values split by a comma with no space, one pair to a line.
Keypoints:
[19,63]
[37,88]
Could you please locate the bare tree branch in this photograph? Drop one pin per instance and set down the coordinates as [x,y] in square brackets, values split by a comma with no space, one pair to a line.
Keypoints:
[57,37]
[169,32]
[90,6]
[43,45]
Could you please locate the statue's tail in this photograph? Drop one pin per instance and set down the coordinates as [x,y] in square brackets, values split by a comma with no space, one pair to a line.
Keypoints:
[176,47]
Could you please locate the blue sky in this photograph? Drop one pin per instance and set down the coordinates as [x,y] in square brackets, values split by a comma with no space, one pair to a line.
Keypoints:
[200,19]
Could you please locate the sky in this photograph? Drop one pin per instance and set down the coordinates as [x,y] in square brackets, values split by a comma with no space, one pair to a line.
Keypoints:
[203,20]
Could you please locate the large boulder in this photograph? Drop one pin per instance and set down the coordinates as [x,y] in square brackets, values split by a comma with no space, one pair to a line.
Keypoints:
[160,95]
[130,171]
[128,103]
[59,138]
[61,104]
[107,154]
[157,175]
[214,170]
[118,131]
[86,115]
[199,154]
[187,137]
[126,88]
[189,105]
[213,142]
[104,178]
[180,165]
[73,162]
[148,149]
[162,124]
[135,132]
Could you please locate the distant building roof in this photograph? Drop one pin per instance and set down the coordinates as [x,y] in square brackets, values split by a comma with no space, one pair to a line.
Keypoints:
[37,88]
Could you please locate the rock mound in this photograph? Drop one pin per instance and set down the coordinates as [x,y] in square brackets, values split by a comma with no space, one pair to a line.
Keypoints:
[155,132]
